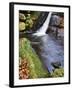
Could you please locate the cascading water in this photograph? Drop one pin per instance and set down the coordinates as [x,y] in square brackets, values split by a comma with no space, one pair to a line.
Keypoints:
[42,30]
[49,50]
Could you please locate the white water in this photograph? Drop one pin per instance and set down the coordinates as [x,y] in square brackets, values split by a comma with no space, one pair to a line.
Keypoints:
[43,29]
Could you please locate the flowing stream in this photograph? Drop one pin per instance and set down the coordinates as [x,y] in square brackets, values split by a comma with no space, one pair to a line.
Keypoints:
[49,50]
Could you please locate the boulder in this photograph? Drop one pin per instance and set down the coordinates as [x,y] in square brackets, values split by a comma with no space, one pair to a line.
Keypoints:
[55,20]
[22,16]
[21,26]
[56,64]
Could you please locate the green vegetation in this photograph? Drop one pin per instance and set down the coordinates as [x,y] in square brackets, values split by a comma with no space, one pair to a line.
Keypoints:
[36,68]
[58,73]
[30,66]
[27,19]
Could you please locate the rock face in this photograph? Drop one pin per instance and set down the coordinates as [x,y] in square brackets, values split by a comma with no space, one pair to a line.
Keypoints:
[55,20]
[56,27]
[40,21]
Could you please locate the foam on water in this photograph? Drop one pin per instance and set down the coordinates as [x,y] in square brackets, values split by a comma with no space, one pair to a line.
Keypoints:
[42,30]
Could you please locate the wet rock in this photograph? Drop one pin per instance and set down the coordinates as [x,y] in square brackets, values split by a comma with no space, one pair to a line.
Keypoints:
[40,21]
[55,20]
[56,64]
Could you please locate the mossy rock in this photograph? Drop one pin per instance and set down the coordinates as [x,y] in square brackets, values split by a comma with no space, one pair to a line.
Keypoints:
[22,26]
[58,72]
[22,16]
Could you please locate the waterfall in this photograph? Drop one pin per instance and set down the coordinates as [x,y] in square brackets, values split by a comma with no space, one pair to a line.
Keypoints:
[42,30]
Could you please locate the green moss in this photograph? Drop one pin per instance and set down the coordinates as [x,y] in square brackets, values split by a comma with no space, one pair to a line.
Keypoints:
[35,66]
[58,72]
[22,26]
[28,19]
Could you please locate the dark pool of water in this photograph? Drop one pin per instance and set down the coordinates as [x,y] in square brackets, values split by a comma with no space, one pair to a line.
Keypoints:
[49,51]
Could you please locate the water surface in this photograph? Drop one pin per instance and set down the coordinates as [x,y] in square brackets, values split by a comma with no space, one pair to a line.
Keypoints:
[49,50]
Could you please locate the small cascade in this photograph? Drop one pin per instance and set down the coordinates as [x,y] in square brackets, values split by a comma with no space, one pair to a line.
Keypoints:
[42,30]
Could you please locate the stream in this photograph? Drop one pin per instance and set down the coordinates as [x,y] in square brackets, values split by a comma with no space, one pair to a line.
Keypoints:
[47,47]
[49,50]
